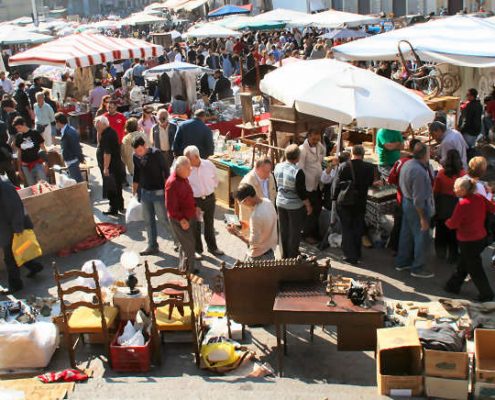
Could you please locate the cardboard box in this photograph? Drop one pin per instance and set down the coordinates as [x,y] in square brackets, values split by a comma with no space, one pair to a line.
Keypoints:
[484,391]
[399,364]
[446,364]
[484,353]
[452,389]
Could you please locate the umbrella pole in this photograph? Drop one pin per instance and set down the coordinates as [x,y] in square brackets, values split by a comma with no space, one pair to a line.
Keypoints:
[339,139]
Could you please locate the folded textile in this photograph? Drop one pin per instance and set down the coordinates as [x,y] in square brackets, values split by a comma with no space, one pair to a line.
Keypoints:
[105,231]
[67,375]
[442,337]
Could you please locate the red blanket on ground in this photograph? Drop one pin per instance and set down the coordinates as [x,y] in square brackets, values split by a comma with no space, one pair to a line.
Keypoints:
[105,231]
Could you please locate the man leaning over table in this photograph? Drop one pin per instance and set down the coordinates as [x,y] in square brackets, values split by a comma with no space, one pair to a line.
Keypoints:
[262,179]
[263,234]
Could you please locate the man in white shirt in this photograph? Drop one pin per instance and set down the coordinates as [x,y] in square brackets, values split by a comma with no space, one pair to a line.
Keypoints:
[312,155]
[263,181]
[263,234]
[448,139]
[6,83]
[204,181]
[44,118]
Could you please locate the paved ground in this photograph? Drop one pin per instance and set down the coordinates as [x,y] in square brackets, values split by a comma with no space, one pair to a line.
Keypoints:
[313,371]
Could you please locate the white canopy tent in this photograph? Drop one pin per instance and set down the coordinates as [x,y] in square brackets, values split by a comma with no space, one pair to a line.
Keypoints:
[211,31]
[174,66]
[459,40]
[141,19]
[343,93]
[336,19]
[281,14]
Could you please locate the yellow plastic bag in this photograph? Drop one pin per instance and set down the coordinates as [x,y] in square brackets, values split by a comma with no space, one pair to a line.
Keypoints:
[216,355]
[25,247]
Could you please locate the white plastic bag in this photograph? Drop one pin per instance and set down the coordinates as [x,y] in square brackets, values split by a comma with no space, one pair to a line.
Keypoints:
[27,346]
[105,278]
[134,212]
[127,334]
[136,340]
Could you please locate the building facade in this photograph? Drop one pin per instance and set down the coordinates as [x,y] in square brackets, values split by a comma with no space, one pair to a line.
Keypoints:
[410,7]
[12,9]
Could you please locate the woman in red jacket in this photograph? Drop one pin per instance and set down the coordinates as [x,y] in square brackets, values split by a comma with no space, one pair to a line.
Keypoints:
[445,202]
[468,220]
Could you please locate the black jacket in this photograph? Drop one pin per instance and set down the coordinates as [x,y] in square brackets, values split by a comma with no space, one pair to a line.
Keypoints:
[470,122]
[222,89]
[365,175]
[12,215]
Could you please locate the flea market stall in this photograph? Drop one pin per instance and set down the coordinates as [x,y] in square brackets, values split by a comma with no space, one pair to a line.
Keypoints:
[81,52]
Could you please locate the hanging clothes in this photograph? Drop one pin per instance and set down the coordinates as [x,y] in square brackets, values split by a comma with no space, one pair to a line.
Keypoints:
[190,78]
[177,85]
[164,88]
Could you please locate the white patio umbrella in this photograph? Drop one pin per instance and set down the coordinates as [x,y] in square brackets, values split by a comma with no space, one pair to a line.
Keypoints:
[10,34]
[343,93]
[211,31]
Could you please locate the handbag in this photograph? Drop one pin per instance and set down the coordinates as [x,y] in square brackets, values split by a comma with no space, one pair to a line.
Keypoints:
[348,194]
[25,247]
[109,184]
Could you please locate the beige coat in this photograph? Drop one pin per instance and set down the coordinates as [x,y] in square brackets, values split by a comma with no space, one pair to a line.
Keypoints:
[251,179]
[127,151]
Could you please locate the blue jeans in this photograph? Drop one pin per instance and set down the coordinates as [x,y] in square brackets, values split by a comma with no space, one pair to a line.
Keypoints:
[154,206]
[35,175]
[75,172]
[413,242]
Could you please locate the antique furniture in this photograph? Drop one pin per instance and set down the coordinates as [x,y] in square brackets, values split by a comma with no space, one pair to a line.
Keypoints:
[307,304]
[250,287]
[172,307]
[81,316]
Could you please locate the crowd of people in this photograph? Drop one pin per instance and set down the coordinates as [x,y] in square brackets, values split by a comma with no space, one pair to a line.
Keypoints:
[280,205]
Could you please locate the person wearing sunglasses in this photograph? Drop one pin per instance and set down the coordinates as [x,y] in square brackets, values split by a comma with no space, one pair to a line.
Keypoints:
[147,120]
[163,134]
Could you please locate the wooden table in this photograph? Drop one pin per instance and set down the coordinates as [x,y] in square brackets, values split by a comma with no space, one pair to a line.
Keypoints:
[301,304]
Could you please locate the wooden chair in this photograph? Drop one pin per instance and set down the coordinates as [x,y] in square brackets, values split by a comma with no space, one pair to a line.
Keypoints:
[173,309]
[82,317]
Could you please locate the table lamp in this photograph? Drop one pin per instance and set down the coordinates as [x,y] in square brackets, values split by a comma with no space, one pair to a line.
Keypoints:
[130,260]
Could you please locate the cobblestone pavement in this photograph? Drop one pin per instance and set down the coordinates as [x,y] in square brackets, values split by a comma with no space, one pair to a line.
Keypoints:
[312,370]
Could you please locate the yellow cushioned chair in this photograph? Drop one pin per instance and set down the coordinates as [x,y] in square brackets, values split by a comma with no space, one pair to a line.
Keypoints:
[82,317]
[172,312]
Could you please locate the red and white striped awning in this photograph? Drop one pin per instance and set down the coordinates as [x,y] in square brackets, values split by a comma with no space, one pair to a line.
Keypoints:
[86,49]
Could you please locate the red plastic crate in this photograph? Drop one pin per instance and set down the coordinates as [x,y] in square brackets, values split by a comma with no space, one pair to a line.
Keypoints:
[130,358]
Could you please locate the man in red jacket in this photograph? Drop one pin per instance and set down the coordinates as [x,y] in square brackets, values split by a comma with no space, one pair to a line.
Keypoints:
[181,208]
[117,120]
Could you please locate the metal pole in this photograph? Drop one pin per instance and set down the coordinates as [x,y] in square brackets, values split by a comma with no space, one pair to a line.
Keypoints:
[36,21]
[308,6]
[339,139]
